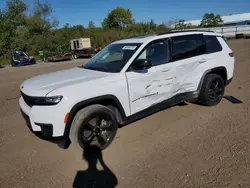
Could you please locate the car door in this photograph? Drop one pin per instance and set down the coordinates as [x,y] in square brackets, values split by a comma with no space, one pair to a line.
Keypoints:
[154,85]
[190,60]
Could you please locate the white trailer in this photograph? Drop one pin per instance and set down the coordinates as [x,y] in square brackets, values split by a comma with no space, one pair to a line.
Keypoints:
[81,48]
[80,44]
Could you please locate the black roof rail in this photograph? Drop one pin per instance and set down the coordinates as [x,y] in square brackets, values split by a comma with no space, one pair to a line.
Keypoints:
[183,31]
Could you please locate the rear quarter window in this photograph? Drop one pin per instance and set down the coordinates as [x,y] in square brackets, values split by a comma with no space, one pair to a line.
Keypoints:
[212,44]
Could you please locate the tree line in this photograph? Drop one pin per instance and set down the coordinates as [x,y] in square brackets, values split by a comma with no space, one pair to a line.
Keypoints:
[37,30]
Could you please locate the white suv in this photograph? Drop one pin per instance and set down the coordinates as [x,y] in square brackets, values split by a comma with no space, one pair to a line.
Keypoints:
[126,81]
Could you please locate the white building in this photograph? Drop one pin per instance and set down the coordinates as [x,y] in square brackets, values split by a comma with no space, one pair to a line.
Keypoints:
[230,20]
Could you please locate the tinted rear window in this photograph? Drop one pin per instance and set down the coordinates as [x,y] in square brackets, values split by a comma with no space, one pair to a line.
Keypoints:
[212,44]
[187,46]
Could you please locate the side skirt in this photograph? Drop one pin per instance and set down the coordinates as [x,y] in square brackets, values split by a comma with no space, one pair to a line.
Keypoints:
[189,96]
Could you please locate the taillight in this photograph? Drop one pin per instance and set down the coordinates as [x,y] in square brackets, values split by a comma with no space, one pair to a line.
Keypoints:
[231,54]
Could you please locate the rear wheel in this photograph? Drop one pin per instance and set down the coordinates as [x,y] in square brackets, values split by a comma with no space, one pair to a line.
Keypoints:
[212,90]
[13,64]
[33,61]
[93,125]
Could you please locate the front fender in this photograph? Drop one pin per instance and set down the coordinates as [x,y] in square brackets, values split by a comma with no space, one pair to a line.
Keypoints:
[104,99]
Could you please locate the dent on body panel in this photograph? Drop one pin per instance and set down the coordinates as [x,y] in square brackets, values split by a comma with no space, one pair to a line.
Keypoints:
[155,84]
[151,84]
[186,77]
[146,88]
[145,96]
[143,88]
[142,91]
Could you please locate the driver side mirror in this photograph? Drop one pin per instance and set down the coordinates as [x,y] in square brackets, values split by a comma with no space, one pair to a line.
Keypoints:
[142,64]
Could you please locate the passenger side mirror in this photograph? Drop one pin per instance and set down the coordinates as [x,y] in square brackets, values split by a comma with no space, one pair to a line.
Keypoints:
[142,64]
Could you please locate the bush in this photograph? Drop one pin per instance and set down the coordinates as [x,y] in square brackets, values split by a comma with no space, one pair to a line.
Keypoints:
[36,31]
[4,62]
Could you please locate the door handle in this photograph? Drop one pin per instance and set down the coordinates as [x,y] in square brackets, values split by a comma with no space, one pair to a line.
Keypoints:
[202,61]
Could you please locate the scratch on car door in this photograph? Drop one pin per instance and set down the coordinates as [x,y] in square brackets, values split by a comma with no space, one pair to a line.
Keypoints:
[144,97]
[149,85]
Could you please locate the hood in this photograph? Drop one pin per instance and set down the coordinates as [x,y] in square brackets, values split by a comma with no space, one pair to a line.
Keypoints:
[43,84]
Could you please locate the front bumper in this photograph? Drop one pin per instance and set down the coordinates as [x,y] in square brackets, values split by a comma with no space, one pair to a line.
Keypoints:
[47,132]
[44,121]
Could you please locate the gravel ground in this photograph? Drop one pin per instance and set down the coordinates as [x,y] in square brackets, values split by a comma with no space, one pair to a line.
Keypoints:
[183,146]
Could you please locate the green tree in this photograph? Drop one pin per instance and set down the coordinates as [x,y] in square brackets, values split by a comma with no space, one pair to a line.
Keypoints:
[171,23]
[140,28]
[180,24]
[118,18]
[91,25]
[211,20]
[40,21]
[67,25]
[152,25]
[36,29]
[11,19]
[162,28]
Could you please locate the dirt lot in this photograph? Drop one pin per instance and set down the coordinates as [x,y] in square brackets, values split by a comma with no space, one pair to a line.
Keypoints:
[184,146]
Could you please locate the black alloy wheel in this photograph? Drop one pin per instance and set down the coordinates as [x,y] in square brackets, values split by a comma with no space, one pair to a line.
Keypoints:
[93,125]
[99,131]
[216,89]
[212,90]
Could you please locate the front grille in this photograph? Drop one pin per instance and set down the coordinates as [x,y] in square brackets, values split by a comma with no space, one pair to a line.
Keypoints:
[27,99]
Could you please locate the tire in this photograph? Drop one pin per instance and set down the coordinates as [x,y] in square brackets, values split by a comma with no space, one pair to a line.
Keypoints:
[211,95]
[81,124]
[33,61]
[13,65]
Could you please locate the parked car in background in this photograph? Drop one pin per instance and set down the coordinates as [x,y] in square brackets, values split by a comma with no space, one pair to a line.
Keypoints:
[20,58]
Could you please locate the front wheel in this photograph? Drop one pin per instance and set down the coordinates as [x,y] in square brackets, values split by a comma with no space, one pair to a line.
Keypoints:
[212,90]
[94,125]
[13,64]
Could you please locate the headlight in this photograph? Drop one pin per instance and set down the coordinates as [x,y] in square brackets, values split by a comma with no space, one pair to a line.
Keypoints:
[47,100]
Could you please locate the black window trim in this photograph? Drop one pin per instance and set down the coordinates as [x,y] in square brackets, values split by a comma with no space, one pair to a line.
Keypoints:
[167,42]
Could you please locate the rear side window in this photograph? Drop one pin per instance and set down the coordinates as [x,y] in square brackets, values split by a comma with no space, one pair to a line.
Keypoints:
[212,44]
[188,46]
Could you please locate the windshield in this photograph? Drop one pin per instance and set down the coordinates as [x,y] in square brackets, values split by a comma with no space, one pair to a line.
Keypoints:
[113,57]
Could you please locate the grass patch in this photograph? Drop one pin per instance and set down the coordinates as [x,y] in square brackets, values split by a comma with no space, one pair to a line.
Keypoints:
[4,61]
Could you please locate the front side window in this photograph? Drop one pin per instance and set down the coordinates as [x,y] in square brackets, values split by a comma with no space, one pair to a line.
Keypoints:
[187,46]
[113,57]
[156,53]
